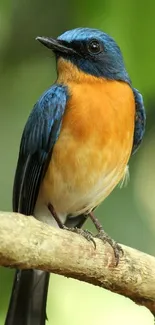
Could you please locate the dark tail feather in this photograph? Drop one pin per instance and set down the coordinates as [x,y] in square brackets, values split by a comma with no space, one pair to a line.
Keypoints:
[28,299]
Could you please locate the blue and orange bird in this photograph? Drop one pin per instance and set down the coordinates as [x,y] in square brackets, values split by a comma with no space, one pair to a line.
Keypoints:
[74,149]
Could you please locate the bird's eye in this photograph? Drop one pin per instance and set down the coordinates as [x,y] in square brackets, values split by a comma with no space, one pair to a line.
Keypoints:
[94,47]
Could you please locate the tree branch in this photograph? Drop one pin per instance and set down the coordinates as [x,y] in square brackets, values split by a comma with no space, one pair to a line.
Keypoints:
[27,243]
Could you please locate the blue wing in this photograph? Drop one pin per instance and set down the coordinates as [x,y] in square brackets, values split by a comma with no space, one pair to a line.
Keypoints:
[140,120]
[39,136]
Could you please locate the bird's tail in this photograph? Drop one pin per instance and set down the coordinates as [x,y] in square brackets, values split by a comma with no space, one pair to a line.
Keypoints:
[28,299]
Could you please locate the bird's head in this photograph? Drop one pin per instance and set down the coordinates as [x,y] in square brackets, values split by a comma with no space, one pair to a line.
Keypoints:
[91,51]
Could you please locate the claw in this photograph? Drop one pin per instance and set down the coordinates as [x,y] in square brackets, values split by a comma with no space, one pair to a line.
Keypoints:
[118,251]
[84,233]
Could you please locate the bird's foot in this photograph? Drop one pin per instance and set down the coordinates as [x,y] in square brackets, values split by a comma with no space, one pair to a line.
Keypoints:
[84,233]
[118,251]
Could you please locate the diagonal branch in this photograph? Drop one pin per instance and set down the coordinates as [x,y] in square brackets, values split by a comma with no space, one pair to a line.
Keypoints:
[27,243]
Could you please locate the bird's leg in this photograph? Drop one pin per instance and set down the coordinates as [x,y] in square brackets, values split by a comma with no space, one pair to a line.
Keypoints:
[55,216]
[85,233]
[88,235]
[106,238]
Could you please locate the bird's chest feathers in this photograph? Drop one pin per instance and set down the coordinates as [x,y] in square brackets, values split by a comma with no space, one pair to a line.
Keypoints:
[99,111]
[94,144]
[99,119]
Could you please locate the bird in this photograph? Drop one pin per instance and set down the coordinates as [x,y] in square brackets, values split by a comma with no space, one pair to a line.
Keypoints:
[74,149]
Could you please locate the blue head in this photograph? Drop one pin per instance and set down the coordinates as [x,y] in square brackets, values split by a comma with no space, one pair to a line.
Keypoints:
[92,51]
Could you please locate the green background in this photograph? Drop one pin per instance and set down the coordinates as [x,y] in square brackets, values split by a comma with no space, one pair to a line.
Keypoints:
[26,70]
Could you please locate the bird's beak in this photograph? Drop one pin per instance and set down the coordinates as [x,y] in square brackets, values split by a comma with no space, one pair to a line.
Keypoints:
[55,45]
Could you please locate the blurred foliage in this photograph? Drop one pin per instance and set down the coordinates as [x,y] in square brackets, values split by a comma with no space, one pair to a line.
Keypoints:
[27,69]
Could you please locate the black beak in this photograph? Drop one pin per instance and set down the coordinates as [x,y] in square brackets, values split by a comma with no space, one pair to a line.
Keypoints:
[55,45]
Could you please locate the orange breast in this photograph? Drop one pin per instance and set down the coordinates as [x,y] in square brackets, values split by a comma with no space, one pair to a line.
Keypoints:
[94,146]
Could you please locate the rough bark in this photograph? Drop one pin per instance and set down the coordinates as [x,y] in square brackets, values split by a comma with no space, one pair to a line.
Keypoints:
[27,243]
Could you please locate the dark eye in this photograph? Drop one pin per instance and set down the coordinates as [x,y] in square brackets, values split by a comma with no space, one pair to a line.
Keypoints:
[94,47]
